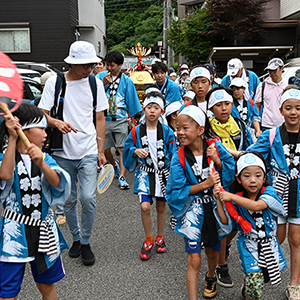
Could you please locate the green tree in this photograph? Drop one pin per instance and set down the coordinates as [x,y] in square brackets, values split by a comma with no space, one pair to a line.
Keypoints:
[236,22]
[130,22]
[189,37]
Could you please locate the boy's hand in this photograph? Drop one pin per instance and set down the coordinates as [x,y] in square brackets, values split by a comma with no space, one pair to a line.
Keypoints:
[225,196]
[107,79]
[212,152]
[35,154]
[213,179]
[141,153]
[12,124]
[216,191]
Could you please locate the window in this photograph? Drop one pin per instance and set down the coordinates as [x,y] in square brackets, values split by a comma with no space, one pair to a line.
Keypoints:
[14,40]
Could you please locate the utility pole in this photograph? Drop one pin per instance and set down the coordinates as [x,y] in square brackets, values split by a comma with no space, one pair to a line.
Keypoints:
[170,17]
[164,50]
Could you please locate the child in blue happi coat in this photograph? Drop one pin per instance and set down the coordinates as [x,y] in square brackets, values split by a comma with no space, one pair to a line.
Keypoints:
[30,183]
[189,194]
[150,147]
[256,204]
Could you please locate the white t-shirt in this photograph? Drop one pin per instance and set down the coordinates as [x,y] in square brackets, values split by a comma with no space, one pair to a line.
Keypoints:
[153,153]
[78,111]
[203,106]
[199,160]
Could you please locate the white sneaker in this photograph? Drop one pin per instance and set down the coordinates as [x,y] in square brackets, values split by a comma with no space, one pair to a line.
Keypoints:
[293,292]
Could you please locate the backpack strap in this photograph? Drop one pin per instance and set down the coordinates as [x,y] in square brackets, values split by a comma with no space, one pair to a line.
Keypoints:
[263,85]
[133,133]
[251,102]
[272,136]
[60,85]
[93,84]
[181,157]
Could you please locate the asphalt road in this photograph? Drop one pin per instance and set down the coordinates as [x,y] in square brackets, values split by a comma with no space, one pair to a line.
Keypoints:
[119,273]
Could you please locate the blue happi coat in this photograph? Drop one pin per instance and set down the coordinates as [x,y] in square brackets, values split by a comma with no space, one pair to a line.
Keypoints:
[131,161]
[190,215]
[172,92]
[12,234]
[127,98]
[248,249]
[274,155]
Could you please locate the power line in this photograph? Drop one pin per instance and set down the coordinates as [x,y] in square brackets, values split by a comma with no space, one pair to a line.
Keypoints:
[131,3]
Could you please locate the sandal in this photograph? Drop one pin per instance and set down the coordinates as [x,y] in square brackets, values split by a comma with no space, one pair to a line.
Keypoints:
[61,219]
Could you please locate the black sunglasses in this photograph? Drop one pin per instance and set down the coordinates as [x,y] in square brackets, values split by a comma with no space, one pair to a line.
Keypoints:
[91,65]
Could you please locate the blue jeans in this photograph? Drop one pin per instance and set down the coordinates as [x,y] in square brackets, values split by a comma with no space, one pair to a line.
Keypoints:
[85,171]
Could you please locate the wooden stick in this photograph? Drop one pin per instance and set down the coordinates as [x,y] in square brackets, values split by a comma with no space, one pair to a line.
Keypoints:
[23,137]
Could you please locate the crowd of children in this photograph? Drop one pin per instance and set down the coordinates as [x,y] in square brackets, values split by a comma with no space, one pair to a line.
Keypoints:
[199,156]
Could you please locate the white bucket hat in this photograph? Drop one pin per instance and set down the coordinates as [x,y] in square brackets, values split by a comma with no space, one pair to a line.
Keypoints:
[82,52]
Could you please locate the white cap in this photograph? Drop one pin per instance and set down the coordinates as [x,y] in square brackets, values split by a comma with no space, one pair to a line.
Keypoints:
[233,66]
[238,82]
[190,94]
[173,74]
[199,72]
[195,113]
[274,63]
[249,160]
[45,77]
[172,107]
[218,96]
[290,94]
[82,52]
[185,72]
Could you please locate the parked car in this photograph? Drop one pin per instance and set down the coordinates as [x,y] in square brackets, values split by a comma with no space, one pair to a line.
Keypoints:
[30,74]
[39,67]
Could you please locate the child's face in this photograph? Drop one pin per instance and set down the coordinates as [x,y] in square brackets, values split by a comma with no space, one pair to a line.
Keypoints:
[222,111]
[252,179]
[291,113]
[188,130]
[113,68]
[152,112]
[160,76]
[36,135]
[173,77]
[200,86]
[238,92]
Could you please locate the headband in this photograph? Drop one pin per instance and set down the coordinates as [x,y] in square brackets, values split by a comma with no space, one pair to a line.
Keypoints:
[42,123]
[196,113]
[249,160]
[218,96]
[172,107]
[156,100]
[152,89]
[190,94]
[290,94]
[199,72]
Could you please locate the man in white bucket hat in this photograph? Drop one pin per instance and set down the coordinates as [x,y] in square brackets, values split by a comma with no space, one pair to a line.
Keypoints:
[81,150]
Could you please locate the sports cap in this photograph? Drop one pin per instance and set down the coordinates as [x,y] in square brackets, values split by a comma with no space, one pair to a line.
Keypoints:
[156,100]
[184,66]
[199,72]
[290,94]
[249,160]
[218,96]
[172,107]
[196,113]
[238,82]
[190,94]
[274,63]
[41,124]
[45,77]
[82,52]
[233,66]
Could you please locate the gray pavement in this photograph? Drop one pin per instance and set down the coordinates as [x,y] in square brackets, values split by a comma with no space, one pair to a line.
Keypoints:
[119,273]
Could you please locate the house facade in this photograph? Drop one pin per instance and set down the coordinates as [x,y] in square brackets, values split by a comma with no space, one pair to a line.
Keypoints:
[42,31]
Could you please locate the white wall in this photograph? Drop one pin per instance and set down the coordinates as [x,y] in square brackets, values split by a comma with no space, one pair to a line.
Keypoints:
[91,12]
[289,7]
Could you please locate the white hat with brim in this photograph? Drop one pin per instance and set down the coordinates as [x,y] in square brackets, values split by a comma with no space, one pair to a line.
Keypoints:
[274,64]
[82,52]
[233,66]
[238,82]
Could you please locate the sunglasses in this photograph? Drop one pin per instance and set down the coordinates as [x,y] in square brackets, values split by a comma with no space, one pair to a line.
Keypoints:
[91,65]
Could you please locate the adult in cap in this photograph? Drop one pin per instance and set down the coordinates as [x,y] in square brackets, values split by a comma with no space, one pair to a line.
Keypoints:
[268,95]
[235,68]
[81,152]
